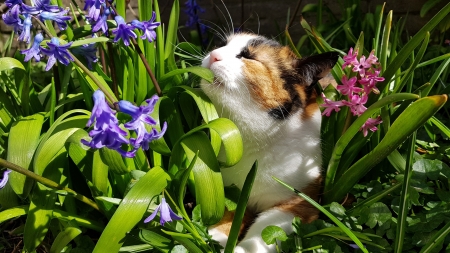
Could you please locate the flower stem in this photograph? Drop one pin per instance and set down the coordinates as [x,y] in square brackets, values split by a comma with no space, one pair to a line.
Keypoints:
[47,182]
[147,67]
[111,98]
[188,224]
[112,67]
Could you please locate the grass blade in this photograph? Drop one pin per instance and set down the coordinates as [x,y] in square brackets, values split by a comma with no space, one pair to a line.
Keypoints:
[240,209]
[404,198]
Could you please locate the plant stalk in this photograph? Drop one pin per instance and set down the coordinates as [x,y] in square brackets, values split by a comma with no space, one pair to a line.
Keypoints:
[47,182]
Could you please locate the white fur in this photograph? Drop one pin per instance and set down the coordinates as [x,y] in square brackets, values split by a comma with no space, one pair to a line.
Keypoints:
[287,149]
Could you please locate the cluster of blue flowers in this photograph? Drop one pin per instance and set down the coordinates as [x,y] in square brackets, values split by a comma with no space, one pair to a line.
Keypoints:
[192,9]
[19,16]
[107,133]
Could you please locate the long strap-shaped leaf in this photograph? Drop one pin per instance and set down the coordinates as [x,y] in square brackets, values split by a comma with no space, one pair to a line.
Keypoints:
[131,210]
[408,122]
[23,141]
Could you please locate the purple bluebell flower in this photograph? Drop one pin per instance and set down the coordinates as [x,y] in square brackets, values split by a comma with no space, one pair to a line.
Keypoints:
[102,22]
[94,9]
[5,178]
[147,27]
[57,52]
[25,35]
[140,117]
[12,18]
[88,4]
[123,31]
[192,9]
[59,17]
[34,51]
[88,51]
[106,131]
[165,212]
[41,6]
[10,3]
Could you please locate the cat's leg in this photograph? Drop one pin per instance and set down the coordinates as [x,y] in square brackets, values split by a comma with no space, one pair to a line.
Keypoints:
[282,216]
[221,230]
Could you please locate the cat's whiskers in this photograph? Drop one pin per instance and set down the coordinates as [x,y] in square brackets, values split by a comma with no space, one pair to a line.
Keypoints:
[219,32]
[229,15]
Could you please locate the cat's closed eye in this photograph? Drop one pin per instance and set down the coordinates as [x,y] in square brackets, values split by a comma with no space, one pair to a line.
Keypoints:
[245,53]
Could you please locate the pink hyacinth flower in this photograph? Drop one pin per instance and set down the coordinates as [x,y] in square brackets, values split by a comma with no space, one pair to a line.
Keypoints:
[348,86]
[371,124]
[350,58]
[356,104]
[361,66]
[330,105]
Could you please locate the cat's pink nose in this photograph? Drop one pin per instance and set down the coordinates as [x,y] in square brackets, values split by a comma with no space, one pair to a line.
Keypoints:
[214,56]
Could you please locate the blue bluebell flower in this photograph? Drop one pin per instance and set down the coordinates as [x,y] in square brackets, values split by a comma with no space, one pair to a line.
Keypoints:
[12,18]
[10,3]
[106,131]
[41,6]
[140,117]
[5,178]
[57,52]
[34,51]
[123,31]
[102,22]
[147,28]
[94,9]
[88,51]
[59,17]
[165,212]
[192,9]
[25,34]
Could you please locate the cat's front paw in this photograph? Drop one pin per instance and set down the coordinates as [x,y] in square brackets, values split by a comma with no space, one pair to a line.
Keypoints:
[254,245]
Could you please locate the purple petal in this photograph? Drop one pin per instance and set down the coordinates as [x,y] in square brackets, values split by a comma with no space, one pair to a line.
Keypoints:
[5,178]
[153,215]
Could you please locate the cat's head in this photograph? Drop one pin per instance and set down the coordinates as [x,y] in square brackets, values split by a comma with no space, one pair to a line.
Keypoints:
[259,83]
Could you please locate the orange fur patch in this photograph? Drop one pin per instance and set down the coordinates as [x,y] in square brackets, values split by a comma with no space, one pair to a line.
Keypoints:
[224,224]
[300,207]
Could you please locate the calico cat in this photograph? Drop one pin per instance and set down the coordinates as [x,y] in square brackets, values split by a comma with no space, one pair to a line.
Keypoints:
[268,93]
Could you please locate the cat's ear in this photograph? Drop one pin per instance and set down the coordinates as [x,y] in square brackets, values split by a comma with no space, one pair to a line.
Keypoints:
[314,68]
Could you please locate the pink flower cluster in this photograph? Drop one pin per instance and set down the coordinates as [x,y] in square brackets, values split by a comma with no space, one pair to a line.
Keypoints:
[363,81]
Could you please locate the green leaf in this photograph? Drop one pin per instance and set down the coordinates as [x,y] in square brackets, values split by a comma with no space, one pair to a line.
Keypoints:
[156,238]
[271,234]
[208,179]
[379,213]
[431,168]
[196,70]
[38,217]
[78,43]
[131,210]
[64,238]
[23,140]
[7,63]
[416,115]
[12,213]
[114,161]
[240,210]
[172,30]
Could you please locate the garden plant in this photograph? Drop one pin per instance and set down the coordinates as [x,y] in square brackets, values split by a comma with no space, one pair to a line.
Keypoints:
[107,144]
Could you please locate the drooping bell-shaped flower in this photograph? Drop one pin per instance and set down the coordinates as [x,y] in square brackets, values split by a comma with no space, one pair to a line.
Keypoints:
[25,34]
[60,18]
[123,31]
[58,52]
[12,18]
[87,51]
[147,28]
[165,212]
[102,22]
[106,131]
[140,118]
[35,50]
